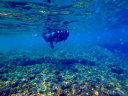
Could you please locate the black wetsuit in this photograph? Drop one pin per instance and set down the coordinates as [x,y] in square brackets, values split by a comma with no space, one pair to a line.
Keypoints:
[56,36]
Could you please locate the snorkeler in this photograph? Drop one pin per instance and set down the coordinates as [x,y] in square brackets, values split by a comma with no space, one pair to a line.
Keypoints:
[57,36]
[53,33]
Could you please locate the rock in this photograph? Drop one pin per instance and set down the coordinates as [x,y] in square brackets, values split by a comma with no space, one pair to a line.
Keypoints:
[62,94]
[6,92]
[32,77]
[15,84]
[109,86]
[66,86]
[68,61]
[59,78]
[3,70]
[4,79]
[57,73]
[86,62]
[41,91]
[74,70]
[117,70]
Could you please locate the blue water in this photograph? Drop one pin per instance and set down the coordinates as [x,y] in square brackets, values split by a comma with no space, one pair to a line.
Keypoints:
[93,61]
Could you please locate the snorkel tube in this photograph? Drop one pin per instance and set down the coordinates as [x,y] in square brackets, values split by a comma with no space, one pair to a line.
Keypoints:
[48,19]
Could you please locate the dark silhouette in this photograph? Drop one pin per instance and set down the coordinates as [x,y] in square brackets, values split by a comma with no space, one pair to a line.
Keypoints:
[57,36]
[56,29]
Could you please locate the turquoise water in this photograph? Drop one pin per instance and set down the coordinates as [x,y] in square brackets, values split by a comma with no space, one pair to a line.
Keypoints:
[93,61]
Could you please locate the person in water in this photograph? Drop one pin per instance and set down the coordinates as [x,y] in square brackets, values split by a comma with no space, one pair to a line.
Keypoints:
[56,36]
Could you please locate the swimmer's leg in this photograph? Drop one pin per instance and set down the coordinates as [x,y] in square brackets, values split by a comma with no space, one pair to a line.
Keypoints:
[51,43]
